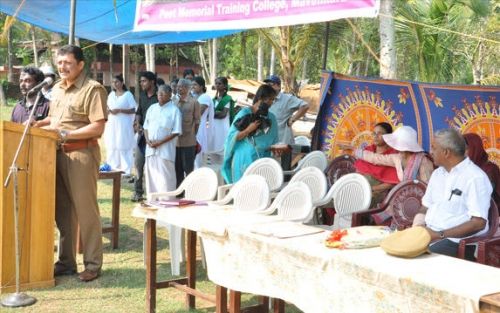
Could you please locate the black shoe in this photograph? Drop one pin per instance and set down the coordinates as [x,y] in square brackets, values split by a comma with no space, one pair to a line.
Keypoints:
[131,180]
[61,270]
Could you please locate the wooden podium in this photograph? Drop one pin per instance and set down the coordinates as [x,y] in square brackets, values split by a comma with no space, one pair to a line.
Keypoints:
[36,198]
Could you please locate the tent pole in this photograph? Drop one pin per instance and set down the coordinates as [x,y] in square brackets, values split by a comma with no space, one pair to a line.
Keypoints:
[72,22]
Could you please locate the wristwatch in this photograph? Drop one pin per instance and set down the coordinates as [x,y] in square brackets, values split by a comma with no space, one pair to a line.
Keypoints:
[63,134]
[441,234]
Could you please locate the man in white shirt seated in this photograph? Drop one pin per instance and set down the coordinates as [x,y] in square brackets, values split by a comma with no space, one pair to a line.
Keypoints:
[457,198]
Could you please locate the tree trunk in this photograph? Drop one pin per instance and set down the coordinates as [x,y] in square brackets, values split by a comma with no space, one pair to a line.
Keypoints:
[288,67]
[110,60]
[126,64]
[304,71]
[213,74]
[146,56]
[272,61]
[203,61]
[367,63]
[3,99]
[387,48]
[33,40]
[477,64]
[176,60]
[210,59]
[243,54]
[351,52]
[10,58]
[260,59]
[152,58]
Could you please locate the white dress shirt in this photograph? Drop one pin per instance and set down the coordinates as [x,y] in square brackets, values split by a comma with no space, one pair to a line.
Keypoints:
[160,122]
[453,198]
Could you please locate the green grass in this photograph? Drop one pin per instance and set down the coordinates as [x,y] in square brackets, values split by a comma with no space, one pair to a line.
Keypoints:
[122,286]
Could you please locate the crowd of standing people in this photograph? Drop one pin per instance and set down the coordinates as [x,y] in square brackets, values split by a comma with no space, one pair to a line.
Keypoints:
[177,127]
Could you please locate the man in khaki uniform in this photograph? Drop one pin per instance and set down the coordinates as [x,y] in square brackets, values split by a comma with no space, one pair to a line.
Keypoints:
[78,113]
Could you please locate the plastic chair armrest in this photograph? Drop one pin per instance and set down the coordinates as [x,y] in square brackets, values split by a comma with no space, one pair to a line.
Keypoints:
[156,195]
[290,172]
[463,242]
[223,190]
[357,216]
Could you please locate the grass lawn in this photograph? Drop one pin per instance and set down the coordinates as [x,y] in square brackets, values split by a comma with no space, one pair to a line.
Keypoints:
[121,288]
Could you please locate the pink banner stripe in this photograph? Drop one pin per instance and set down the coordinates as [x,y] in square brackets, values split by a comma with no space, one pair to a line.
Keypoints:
[213,11]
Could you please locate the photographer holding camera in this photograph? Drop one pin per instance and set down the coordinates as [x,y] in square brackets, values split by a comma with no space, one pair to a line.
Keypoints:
[251,135]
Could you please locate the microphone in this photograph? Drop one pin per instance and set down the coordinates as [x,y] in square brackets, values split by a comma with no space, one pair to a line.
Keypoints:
[46,82]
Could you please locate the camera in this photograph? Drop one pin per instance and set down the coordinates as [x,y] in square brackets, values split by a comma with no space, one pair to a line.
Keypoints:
[259,115]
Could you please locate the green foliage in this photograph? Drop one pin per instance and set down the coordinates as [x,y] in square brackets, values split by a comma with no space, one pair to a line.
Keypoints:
[425,50]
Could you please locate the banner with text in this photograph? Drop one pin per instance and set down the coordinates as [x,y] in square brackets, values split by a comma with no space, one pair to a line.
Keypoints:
[194,15]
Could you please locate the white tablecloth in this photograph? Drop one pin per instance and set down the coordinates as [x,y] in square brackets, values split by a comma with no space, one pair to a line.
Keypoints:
[302,271]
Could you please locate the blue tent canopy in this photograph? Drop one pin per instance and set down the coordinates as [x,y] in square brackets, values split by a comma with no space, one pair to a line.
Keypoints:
[96,21]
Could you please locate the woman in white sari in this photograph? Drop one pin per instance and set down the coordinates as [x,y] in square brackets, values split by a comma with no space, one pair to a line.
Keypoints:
[119,131]
[206,120]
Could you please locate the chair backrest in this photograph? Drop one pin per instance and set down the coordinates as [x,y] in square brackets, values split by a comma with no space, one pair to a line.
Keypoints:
[493,219]
[268,168]
[314,158]
[302,141]
[250,193]
[405,199]
[338,167]
[350,193]
[314,178]
[200,185]
[294,202]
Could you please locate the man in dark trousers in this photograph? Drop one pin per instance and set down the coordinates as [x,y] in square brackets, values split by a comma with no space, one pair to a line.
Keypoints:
[147,97]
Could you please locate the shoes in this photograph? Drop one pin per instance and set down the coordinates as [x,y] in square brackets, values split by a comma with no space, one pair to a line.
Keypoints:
[88,275]
[131,180]
[136,198]
[61,270]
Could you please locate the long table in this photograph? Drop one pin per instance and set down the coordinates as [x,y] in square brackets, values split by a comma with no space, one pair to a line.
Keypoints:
[302,271]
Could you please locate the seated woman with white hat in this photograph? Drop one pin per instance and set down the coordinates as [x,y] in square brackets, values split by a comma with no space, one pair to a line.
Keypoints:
[411,162]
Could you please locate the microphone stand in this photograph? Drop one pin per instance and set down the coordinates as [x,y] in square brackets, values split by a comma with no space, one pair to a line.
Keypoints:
[18,298]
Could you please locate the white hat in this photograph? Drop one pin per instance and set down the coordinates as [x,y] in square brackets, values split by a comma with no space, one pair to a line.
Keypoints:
[47,70]
[403,139]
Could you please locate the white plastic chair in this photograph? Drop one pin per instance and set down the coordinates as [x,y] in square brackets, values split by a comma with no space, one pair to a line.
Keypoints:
[249,194]
[268,168]
[350,193]
[199,185]
[315,158]
[302,141]
[293,203]
[315,180]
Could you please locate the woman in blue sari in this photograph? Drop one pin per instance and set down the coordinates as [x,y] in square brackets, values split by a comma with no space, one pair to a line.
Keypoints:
[252,132]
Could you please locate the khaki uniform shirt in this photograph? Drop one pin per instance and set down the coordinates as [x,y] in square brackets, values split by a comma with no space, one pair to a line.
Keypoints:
[190,110]
[77,105]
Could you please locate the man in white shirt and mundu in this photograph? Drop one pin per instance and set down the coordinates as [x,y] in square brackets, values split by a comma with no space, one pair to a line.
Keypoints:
[457,198]
[162,126]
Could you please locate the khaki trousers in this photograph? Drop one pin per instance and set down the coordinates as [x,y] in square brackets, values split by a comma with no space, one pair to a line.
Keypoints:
[76,203]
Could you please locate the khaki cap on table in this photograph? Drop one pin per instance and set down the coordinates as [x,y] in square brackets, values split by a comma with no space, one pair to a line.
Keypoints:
[408,243]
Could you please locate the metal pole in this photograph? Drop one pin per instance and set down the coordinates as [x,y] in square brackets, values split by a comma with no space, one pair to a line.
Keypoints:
[325,50]
[72,13]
